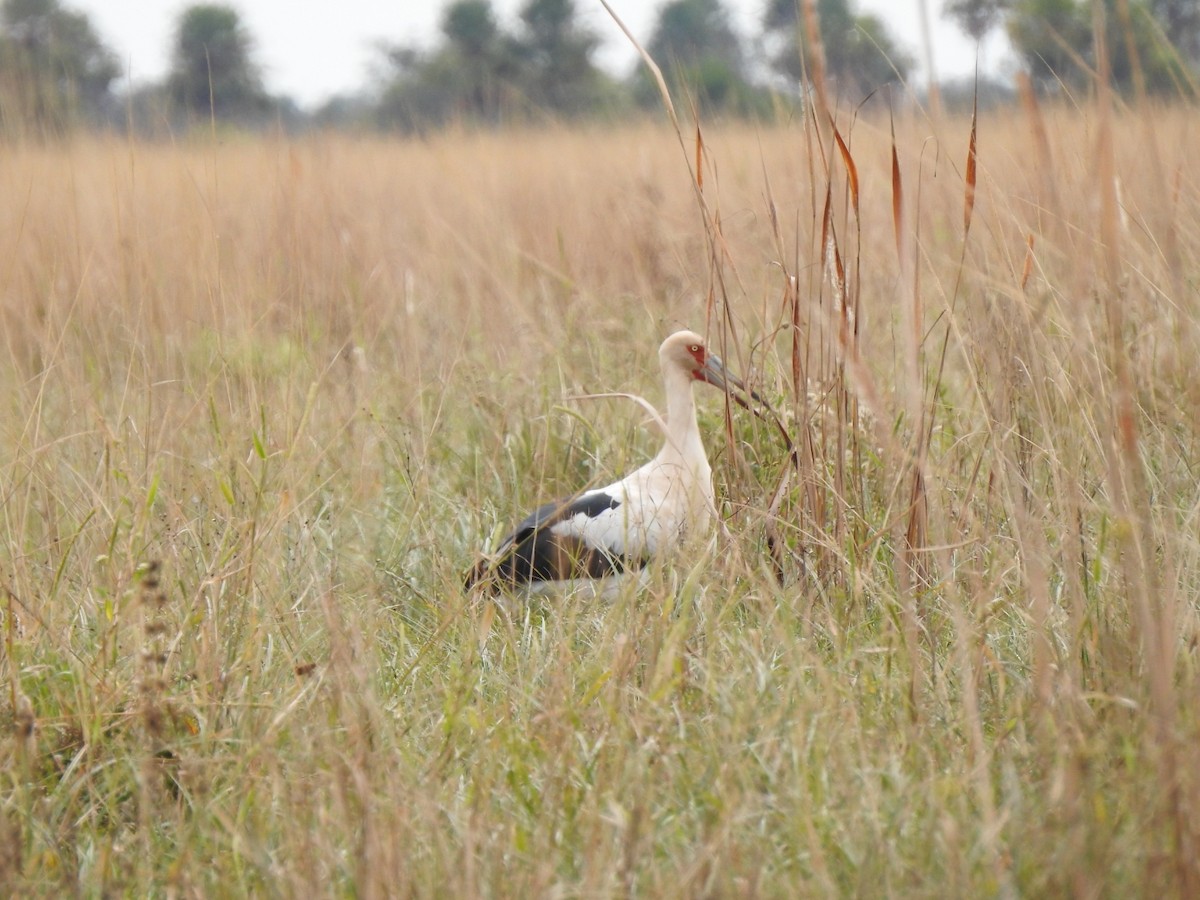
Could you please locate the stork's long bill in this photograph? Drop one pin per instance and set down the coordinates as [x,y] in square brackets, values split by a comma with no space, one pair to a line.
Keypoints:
[713,372]
[604,532]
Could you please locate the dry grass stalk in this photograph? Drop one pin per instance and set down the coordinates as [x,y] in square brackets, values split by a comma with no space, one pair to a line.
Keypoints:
[1153,606]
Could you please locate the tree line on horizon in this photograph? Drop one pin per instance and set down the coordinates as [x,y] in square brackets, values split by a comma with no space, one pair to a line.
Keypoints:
[57,73]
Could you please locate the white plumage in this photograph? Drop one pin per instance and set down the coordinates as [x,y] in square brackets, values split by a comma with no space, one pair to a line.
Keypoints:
[610,530]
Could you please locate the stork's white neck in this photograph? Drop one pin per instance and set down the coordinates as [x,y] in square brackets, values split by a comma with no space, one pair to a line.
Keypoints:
[683,434]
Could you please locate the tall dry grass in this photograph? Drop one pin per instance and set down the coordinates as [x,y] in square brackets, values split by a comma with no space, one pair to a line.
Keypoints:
[265,400]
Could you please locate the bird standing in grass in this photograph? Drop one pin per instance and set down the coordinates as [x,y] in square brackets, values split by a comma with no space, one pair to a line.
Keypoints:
[605,532]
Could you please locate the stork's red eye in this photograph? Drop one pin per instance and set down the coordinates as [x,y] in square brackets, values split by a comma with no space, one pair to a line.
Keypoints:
[695,348]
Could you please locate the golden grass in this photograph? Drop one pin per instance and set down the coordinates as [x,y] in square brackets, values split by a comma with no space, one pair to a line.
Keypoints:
[265,400]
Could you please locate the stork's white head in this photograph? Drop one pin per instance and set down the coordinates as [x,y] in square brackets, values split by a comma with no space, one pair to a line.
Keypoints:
[686,351]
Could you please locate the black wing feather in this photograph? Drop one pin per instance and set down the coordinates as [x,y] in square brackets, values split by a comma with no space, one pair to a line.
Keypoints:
[533,553]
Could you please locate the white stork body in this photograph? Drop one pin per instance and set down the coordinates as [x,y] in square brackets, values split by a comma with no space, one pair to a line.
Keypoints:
[605,532]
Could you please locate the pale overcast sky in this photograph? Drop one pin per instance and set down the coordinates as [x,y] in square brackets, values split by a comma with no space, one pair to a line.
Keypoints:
[313,49]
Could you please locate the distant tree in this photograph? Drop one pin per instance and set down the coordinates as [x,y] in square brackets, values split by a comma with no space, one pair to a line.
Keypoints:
[420,91]
[860,53]
[483,53]
[695,44]
[1054,39]
[555,59]
[53,65]
[976,18]
[1044,33]
[472,75]
[212,70]
[1180,21]
[691,30]
[1159,64]
[470,26]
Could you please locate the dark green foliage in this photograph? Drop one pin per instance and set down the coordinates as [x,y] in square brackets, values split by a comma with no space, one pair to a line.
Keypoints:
[976,18]
[482,73]
[1055,40]
[55,70]
[689,31]
[700,53]
[212,71]
[1180,21]
[53,66]
[555,51]
[469,76]
[1044,33]
[860,53]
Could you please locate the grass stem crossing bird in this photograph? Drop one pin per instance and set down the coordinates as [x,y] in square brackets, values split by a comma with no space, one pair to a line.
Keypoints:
[605,532]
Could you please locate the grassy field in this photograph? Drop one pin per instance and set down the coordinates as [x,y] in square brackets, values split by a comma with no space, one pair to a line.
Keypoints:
[265,400]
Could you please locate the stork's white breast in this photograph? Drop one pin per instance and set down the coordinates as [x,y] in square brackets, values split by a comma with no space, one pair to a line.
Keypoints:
[656,506]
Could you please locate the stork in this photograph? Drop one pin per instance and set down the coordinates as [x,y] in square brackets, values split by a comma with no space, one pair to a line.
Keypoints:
[602,533]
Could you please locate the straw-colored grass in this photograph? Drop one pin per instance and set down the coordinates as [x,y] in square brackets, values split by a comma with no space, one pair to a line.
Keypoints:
[265,400]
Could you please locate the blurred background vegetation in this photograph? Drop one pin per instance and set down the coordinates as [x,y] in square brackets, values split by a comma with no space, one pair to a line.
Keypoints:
[56,73]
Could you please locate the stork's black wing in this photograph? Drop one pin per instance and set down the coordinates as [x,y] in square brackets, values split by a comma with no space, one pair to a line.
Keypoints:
[536,551]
